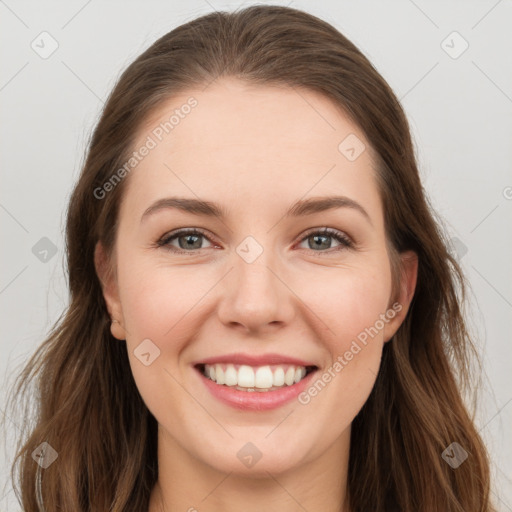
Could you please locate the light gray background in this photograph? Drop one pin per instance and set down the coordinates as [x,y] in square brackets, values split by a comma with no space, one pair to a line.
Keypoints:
[460,114]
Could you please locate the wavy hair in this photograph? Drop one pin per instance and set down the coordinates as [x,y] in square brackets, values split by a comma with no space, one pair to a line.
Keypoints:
[87,406]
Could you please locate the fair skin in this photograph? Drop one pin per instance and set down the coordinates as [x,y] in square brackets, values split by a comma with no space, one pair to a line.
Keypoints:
[254,151]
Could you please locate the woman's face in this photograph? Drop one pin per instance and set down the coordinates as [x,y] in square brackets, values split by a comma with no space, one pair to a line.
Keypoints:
[261,280]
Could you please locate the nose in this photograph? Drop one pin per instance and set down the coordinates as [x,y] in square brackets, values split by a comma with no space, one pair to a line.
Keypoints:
[256,297]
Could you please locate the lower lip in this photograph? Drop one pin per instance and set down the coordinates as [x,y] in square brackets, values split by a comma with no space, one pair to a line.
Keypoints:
[256,400]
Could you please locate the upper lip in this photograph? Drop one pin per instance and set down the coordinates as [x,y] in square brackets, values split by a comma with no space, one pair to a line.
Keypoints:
[252,360]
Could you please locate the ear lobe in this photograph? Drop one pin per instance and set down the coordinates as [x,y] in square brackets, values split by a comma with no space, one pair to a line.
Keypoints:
[109,287]
[408,281]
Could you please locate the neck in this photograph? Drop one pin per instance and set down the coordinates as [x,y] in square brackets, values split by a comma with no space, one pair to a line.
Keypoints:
[187,484]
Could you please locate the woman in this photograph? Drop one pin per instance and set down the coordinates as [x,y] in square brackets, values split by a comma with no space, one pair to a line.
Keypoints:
[264,313]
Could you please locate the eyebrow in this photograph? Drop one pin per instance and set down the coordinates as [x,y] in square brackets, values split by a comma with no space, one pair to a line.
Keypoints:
[300,208]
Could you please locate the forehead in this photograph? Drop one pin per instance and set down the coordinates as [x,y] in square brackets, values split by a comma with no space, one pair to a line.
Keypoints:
[236,140]
[230,113]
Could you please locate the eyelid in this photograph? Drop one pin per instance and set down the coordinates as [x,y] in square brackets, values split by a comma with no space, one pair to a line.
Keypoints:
[165,239]
[345,241]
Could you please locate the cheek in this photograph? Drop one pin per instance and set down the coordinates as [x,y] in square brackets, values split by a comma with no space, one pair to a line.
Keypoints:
[160,304]
[350,301]
[351,307]
[163,303]
[157,299]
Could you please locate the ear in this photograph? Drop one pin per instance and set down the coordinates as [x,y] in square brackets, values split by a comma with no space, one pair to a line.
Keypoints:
[407,287]
[108,281]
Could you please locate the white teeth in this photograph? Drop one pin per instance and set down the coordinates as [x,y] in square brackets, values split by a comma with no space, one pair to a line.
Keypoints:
[219,375]
[289,378]
[278,377]
[245,377]
[299,374]
[264,378]
[255,378]
[230,376]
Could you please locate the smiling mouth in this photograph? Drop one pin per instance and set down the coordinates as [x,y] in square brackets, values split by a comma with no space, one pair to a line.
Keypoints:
[260,379]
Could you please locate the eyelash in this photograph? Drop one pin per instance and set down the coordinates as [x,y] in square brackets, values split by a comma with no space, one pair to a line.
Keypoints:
[345,241]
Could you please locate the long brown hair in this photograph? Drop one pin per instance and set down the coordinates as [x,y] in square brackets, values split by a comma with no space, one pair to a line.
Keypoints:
[88,407]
